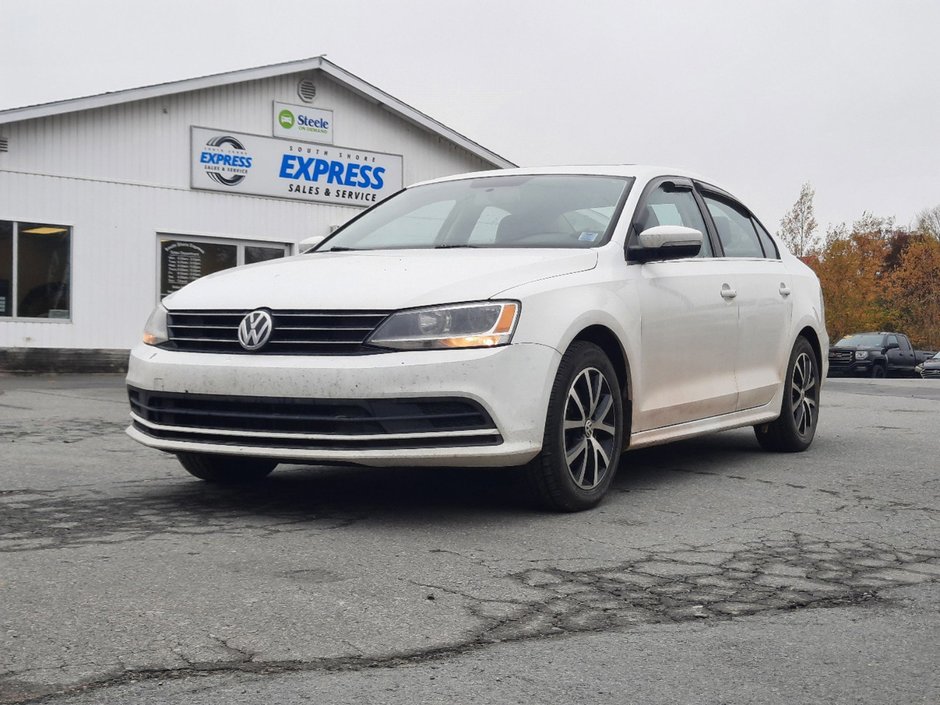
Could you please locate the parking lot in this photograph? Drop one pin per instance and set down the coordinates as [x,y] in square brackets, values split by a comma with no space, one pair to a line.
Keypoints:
[713,573]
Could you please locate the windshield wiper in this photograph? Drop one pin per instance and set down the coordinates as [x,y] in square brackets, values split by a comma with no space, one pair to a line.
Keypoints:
[453,247]
[341,249]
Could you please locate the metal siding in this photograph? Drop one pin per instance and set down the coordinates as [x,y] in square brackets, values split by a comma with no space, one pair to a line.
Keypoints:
[119,175]
[114,248]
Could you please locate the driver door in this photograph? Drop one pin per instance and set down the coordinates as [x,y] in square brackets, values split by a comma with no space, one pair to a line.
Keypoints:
[688,329]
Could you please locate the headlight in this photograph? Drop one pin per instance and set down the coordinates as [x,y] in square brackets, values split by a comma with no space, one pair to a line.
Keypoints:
[861,354]
[155,331]
[478,325]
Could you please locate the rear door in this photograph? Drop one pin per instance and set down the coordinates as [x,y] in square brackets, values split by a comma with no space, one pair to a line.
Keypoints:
[761,287]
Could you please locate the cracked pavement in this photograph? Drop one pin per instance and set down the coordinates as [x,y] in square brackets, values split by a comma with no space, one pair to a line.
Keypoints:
[714,572]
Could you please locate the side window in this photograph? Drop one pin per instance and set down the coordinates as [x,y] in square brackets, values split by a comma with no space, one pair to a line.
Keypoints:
[770,248]
[735,229]
[893,340]
[672,206]
[905,344]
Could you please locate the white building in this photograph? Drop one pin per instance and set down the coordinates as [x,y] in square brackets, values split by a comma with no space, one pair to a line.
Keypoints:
[109,202]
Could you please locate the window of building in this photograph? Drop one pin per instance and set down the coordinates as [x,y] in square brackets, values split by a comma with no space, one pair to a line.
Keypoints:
[184,258]
[35,267]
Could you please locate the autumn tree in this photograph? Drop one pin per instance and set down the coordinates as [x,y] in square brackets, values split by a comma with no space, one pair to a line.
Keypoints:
[849,268]
[798,226]
[878,276]
[912,291]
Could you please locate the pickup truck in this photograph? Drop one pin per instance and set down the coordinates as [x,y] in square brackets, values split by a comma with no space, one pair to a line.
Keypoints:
[875,355]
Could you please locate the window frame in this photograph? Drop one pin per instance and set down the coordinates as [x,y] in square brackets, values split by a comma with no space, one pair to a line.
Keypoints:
[683,182]
[722,196]
[14,274]
[239,243]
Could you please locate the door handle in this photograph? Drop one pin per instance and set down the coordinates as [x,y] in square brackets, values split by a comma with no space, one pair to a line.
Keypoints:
[784,290]
[727,292]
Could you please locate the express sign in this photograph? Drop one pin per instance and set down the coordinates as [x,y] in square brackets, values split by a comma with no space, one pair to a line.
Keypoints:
[233,162]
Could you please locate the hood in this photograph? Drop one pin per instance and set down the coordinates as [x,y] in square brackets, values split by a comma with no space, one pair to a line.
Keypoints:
[377,280]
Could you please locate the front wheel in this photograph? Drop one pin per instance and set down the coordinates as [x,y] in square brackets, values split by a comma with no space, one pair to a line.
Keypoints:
[583,432]
[226,469]
[878,371]
[794,429]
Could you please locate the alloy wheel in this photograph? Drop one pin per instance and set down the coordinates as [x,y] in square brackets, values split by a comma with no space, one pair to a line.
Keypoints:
[804,394]
[589,428]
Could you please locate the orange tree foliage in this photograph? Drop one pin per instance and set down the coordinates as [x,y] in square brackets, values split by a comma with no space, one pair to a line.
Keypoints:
[849,268]
[912,291]
[878,277]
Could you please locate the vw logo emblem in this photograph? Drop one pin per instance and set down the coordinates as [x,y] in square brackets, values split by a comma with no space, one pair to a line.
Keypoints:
[255,330]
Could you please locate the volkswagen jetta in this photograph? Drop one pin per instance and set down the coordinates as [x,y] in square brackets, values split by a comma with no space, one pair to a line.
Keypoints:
[551,318]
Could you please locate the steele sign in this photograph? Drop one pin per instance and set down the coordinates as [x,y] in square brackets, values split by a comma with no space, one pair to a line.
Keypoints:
[301,122]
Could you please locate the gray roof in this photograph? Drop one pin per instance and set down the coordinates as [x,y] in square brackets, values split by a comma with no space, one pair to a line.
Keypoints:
[319,63]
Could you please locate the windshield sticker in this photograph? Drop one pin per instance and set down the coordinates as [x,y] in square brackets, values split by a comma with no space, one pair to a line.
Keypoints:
[588,236]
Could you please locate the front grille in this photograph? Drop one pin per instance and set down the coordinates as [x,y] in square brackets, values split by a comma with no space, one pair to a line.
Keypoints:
[841,356]
[930,373]
[330,424]
[293,333]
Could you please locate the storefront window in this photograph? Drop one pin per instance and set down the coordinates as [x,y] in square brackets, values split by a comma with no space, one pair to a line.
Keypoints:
[6,268]
[35,264]
[183,260]
[262,254]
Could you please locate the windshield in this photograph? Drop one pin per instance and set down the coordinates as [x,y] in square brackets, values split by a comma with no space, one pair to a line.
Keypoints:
[861,340]
[491,211]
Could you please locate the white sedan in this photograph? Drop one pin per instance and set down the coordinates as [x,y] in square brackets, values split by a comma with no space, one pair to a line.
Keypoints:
[552,318]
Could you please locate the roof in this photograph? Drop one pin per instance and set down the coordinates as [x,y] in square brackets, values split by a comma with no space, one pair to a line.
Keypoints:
[641,172]
[318,63]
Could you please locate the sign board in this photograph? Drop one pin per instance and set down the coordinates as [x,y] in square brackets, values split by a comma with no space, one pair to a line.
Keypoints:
[301,122]
[233,162]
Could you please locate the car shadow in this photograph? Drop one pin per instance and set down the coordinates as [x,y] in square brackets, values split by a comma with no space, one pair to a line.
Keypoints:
[299,497]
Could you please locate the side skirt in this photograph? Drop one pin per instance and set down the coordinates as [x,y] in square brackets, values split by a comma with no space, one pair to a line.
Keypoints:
[725,422]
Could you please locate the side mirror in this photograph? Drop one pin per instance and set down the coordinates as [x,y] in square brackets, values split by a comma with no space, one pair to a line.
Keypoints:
[665,242]
[309,243]
[892,346]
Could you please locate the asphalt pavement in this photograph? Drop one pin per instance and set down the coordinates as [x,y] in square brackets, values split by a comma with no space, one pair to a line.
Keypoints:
[714,572]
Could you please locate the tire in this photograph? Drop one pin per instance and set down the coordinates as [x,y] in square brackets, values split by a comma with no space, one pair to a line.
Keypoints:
[878,371]
[794,429]
[583,437]
[226,469]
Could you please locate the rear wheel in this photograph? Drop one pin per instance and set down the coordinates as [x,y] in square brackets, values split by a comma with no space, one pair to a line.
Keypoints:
[583,432]
[794,429]
[226,469]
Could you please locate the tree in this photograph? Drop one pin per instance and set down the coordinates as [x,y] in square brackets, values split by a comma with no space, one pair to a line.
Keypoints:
[849,269]
[798,226]
[912,291]
[878,276]
[928,222]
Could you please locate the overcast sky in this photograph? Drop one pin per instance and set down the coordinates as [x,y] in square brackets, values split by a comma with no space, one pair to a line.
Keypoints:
[759,96]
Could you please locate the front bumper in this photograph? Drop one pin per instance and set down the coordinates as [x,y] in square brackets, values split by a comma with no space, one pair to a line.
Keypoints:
[856,368]
[512,384]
